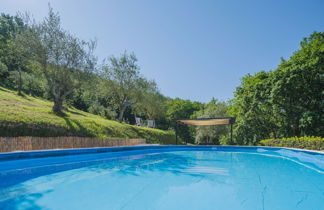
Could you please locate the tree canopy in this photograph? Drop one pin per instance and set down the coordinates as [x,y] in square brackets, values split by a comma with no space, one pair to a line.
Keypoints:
[285,102]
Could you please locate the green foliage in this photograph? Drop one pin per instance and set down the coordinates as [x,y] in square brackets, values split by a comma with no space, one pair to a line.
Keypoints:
[305,142]
[180,109]
[252,109]
[64,59]
[285,102]
[126,86]
[13,56]
[29,116]
[9,26]
[3,71]
[298,90]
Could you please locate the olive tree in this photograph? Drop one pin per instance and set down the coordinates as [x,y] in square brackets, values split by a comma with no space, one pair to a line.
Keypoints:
[65,60]
[127,86]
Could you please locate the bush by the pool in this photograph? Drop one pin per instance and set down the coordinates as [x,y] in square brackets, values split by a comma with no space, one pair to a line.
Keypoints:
[306,142]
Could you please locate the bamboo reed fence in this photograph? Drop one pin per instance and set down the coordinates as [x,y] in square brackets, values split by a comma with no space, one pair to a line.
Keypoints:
[26,143]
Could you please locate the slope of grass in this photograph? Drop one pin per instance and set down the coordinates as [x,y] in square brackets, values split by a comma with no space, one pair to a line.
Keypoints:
[29,116]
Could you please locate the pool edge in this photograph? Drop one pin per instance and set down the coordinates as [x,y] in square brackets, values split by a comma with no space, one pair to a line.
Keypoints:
[5,156]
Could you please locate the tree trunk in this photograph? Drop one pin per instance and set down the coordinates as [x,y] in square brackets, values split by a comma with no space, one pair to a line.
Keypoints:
[121,113]
[57,108]
[19,82]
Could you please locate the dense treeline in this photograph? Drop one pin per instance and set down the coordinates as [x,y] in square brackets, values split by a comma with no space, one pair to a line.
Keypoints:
[285,102]
[44,60]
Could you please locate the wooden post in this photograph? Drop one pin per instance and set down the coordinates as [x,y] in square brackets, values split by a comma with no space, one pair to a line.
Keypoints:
[176,132]
[231,132]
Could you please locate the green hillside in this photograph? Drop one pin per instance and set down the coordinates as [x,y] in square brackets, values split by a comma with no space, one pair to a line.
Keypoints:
[29,116]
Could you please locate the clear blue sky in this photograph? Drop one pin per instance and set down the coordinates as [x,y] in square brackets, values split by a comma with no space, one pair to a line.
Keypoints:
[193,49]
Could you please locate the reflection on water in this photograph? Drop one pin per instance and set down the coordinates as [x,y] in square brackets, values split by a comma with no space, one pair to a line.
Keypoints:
[169,180]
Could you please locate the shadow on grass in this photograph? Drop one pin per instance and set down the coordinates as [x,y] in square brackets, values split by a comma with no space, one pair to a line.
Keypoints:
[24,96]
[77,128]
[76,113]
[5,90]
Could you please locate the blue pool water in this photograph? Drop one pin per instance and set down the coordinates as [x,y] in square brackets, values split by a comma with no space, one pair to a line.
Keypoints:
[163,177]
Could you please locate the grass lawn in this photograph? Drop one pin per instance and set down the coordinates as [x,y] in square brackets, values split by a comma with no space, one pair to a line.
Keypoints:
[30,116]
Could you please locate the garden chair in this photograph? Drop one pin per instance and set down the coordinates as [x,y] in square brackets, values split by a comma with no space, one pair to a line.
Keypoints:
[138,121]
[151,123]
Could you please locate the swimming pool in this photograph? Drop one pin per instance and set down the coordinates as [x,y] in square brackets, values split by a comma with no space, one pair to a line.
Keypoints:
[163,177]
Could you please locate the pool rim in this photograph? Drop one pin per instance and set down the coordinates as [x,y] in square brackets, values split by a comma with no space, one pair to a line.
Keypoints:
[6,156]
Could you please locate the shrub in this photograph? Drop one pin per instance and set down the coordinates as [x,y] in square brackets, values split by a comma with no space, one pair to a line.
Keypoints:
[306,142]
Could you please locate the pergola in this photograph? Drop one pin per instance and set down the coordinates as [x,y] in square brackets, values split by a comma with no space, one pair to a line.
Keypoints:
[205,122]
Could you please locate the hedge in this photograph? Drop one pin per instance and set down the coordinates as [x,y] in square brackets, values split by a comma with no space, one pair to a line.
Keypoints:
[306,142]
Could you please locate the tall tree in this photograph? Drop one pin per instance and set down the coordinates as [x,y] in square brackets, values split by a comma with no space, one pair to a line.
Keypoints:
[65,59]
[285,102]
[298,90]
[152,105]
[128,85]
[19,59]
[253,110]
[13,57]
